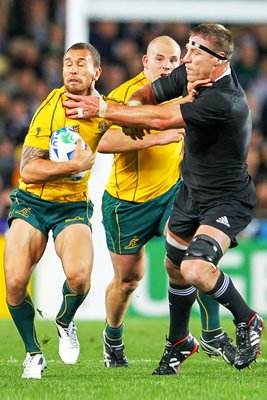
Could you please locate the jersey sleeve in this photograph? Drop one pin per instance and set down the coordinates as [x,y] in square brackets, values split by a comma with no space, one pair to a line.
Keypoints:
[40,129]
[170,87]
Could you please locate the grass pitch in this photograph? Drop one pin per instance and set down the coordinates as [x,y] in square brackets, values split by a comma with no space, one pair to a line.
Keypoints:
[200,377]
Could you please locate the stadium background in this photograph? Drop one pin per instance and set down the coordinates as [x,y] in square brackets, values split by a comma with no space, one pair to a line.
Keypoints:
[33,37]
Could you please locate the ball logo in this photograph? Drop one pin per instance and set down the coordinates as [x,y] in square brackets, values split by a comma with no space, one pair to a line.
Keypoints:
[62,146]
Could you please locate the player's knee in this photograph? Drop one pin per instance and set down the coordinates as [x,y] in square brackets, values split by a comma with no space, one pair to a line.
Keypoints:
[16,289]
[79,284]
[202,248]
[174,273]
[174,253]
[192,272]
[129,284]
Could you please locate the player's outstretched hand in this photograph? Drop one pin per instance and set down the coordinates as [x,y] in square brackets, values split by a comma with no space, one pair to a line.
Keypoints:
[170,136]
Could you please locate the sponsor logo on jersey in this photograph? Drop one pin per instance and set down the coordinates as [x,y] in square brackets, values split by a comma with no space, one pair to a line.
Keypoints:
[223,220]
[133,243]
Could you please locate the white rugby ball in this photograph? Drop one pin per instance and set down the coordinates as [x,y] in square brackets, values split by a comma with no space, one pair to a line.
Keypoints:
[62,146]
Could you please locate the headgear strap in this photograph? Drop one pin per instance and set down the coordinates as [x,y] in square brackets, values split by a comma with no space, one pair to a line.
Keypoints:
[207,50]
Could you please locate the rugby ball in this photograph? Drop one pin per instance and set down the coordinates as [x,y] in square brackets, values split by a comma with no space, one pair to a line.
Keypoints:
[62,146]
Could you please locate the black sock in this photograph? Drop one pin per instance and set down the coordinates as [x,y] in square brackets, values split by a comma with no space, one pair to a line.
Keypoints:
[181,299]
[227,295]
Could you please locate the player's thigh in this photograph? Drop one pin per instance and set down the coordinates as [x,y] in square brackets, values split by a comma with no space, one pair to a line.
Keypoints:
[74,246]
[128,267]
[24,247]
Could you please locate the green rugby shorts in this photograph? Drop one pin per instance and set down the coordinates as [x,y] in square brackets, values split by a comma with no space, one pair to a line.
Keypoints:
[129,226]
[48,215]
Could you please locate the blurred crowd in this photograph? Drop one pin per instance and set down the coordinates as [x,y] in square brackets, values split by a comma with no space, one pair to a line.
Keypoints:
[32,39]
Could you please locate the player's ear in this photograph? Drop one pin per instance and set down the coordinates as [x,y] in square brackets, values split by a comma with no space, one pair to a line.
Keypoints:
[218,60]
[98,73]
[145,60]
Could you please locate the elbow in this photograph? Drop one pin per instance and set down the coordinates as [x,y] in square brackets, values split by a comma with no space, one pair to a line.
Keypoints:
[102,148]
[26,177]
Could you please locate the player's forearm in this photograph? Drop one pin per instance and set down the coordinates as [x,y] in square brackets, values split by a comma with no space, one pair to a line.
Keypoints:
[42,171]
[115,141]
[160,117]
[144,95]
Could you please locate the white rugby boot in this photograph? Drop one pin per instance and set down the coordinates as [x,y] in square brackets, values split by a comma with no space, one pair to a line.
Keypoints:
[69,347]
[33,366]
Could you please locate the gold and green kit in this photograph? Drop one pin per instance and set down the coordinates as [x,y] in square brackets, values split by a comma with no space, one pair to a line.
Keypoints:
[52,206]
[142,175]
[141,189]
[49,117]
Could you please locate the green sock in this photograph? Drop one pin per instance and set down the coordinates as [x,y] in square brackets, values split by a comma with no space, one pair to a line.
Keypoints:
[114,335]
[209,314]
[23,317]
[71,303]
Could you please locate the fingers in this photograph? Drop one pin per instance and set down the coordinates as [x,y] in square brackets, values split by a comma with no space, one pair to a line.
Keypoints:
[79,144]
[71,113]
[74,112]
[70,104]
[202,82]
[134,133]
[75,97]
[129,132]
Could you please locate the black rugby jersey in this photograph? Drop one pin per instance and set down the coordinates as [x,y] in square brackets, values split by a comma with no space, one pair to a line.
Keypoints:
[218,131]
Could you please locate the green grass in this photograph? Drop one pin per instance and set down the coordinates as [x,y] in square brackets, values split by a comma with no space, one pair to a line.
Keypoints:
[200,378]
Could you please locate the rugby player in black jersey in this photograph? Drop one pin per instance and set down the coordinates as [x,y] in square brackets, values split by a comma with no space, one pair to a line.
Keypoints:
[217,197]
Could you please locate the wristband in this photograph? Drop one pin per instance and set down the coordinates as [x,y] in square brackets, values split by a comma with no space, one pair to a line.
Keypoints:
[134,103]
[103,105]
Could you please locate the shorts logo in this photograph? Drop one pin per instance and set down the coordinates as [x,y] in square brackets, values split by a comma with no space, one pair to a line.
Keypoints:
[24,212]
[74,219]
[224,221]
[133,243]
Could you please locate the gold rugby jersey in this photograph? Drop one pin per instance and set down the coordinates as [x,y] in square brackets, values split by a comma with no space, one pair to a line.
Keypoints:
[49,117]
[142,175]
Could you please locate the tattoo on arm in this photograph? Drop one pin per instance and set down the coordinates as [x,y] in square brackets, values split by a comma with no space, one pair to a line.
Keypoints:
[30,153]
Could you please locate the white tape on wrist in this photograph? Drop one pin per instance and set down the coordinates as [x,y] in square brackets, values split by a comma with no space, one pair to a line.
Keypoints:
[103,105]
[134,103]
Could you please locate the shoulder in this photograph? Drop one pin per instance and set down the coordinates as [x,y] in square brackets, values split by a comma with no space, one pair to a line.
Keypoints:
[53,97]
[126,89]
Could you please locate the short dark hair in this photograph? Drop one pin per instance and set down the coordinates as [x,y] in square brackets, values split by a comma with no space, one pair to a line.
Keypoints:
[219,36]
[92,50]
